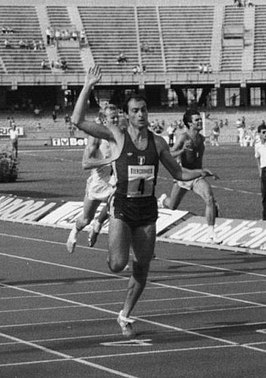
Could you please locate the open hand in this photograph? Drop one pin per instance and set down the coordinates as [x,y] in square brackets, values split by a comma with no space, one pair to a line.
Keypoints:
[93,76]
[207,172]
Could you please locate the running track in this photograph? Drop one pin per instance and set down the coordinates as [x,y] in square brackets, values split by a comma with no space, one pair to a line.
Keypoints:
[202,314]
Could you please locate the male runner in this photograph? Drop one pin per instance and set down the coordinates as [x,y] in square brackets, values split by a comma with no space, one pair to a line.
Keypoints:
[99,184]
[136,153]
[188,150]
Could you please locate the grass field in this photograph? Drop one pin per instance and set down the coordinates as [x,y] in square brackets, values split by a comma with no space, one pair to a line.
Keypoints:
[56,174]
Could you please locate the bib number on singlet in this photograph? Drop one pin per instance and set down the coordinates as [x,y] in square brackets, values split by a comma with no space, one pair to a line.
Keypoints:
[140,180]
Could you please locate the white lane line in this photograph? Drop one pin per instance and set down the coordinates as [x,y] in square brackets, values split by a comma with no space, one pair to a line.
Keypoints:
[38,240]
[65,356]
[143,316]
[210,267]
[70,267]
[124,355]
[224,283]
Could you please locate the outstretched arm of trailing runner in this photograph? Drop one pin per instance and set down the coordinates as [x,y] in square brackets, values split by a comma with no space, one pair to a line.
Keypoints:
[174,168]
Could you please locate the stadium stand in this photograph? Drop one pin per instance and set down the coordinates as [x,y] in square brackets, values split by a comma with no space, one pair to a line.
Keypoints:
[111,31]
[260,38]
[66,49]
[233,26]
[24,22]
[170,41]
[187,35]
[151,44]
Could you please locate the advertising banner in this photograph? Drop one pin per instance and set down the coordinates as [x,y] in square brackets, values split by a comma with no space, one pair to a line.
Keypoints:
[24,209]
[230,232]
[66,215]
[64,142]
[5,131]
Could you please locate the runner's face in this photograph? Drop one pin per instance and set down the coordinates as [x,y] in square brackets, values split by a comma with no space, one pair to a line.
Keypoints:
[196,122]
[263,135]
[137,114]
[112,118]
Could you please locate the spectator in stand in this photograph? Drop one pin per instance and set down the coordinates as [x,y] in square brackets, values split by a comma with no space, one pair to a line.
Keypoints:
[7,44]
[7,30]
[57,35]
[58,64]
[35,45]
[250,3]
[121,58]
[10,30]
[67,35]
[64,64]
[48,36]
[44,64]
[144,47]
[200,68]
[82,36]
[74,35]
[134,70]
[22,44]
[63,35]
[205,68]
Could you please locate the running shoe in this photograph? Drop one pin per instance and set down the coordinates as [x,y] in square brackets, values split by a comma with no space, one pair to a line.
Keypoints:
[126,268]
[213,239]
[126,325]
[72,241]
[94,232]
[161,200]
[92,238]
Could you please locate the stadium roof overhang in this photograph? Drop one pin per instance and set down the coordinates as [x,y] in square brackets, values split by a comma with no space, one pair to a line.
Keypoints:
[64,81]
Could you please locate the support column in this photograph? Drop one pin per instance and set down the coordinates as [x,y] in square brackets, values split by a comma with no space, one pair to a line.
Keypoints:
[220,97]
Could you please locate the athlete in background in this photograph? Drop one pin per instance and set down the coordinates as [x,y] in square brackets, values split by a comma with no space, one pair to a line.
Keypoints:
[188,151]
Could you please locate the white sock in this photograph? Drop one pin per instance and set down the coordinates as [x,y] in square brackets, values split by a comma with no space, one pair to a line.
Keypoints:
[97,226]
[211,231]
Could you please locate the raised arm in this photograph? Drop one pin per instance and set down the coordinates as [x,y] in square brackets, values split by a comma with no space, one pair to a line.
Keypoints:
[78,117]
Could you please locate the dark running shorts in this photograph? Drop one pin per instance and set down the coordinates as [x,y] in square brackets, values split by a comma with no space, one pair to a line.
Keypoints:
[134,211]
